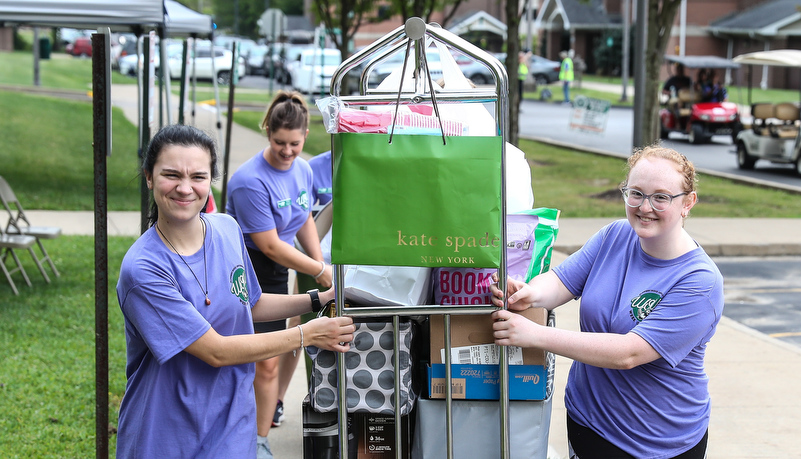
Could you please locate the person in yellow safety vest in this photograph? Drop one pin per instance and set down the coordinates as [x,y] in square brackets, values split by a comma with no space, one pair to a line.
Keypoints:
[566,74]
[522,73]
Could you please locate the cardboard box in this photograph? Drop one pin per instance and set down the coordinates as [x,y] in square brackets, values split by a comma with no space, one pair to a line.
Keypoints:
[475,372]
[376,434]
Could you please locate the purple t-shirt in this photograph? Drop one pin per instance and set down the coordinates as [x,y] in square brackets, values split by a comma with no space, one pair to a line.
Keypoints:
[262,198]
[321,169]
[176,405]
[659,409]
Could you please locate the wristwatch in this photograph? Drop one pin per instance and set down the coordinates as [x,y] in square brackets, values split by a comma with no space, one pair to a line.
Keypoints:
[314,294]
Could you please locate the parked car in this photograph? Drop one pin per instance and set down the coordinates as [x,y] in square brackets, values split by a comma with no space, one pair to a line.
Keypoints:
[289,56]
[258,61]
[245,44]
[201,64]
[476,71]
[314,69]
[688,114]
[381,71]
[127,64]
[544,71]
[81,47]
[775,132]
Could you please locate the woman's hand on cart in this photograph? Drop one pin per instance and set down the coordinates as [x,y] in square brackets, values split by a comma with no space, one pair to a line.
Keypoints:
[517,291]
[510,329]
[331,333]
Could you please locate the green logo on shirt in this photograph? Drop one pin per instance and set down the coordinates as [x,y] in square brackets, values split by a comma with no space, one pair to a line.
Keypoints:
[303,200]
[284,203]
[643,304]
[239,284]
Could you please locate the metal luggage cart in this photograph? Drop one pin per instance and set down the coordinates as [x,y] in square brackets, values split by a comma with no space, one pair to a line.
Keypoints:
[416,35]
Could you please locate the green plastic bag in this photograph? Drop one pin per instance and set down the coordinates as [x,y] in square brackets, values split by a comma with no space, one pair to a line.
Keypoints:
[545,237]
[417,202]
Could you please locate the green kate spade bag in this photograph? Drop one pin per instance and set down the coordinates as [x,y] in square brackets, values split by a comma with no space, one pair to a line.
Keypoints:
[417,202]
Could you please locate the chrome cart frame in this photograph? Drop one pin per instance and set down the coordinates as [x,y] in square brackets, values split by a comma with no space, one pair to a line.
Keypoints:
[416,35]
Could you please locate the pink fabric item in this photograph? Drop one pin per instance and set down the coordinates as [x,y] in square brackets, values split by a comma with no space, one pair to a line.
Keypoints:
[379,122]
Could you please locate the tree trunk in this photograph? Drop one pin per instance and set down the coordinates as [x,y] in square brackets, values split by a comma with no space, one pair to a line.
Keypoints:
[512,50]
[661,15]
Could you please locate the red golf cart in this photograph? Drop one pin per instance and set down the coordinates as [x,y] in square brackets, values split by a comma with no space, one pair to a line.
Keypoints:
[686,113]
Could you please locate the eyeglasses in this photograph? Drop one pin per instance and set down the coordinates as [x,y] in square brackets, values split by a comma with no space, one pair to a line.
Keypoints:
[659,201]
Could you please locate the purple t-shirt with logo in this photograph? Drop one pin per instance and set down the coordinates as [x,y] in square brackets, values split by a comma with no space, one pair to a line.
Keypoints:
[321,168]
[176,405]
[262,198]
[659,409]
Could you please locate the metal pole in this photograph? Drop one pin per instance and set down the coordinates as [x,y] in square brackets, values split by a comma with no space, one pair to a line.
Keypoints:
[229,122]
[37,52]
[144,122]
[183,83]
[639,71]
[626,49]
[101,114]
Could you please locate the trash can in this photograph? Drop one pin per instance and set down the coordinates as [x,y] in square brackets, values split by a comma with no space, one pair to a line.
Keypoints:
[44,48]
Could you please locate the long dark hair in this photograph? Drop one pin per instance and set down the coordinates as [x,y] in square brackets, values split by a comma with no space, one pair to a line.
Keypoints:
[182,135]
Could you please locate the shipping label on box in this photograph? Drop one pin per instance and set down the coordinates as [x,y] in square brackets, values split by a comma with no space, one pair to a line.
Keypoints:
[481,382]
[486,354]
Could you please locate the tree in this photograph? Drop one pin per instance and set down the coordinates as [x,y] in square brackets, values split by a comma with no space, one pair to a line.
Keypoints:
[239,16]
[661,15]
[347,16]
[512,64]
[425,8]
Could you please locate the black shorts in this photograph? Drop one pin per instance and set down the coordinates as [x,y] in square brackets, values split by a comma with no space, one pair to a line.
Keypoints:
[587,444]
[273,278]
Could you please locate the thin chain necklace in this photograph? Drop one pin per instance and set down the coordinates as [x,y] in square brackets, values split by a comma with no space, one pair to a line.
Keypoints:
[205,268]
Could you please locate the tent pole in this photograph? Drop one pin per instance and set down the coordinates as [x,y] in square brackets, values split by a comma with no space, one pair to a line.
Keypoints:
[101,114]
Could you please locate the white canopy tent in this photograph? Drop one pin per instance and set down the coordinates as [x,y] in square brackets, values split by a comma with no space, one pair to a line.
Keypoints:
[86,14]
[183,21]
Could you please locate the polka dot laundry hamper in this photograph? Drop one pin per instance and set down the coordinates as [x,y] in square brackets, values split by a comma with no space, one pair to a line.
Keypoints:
[369,371]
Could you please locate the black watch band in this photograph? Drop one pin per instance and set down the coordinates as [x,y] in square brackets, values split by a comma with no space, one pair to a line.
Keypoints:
[314,294]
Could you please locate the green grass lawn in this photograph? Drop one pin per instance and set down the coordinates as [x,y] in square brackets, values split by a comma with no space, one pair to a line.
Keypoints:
[47,371]
[60,71]
[47,155]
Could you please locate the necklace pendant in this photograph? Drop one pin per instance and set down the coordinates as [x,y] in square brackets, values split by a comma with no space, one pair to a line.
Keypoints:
[208,301]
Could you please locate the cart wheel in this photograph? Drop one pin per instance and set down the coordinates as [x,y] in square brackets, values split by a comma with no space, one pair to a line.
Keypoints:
[747,162]
[696,134]
[798,165]
[735,130]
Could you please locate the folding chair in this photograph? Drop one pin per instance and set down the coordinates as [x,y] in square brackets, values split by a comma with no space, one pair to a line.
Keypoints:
[18,224]
[9,242]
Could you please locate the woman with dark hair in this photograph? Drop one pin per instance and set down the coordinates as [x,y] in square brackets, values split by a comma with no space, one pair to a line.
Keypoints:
[270,197]
[189,296]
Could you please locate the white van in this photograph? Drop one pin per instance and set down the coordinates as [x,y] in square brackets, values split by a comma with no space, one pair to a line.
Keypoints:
[313,71]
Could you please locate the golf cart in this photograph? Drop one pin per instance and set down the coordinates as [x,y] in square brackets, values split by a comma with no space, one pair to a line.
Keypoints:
[685,112]
[774,131]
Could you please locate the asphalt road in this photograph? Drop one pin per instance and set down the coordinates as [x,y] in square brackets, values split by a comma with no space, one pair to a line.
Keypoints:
[763,294]
[549,121]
